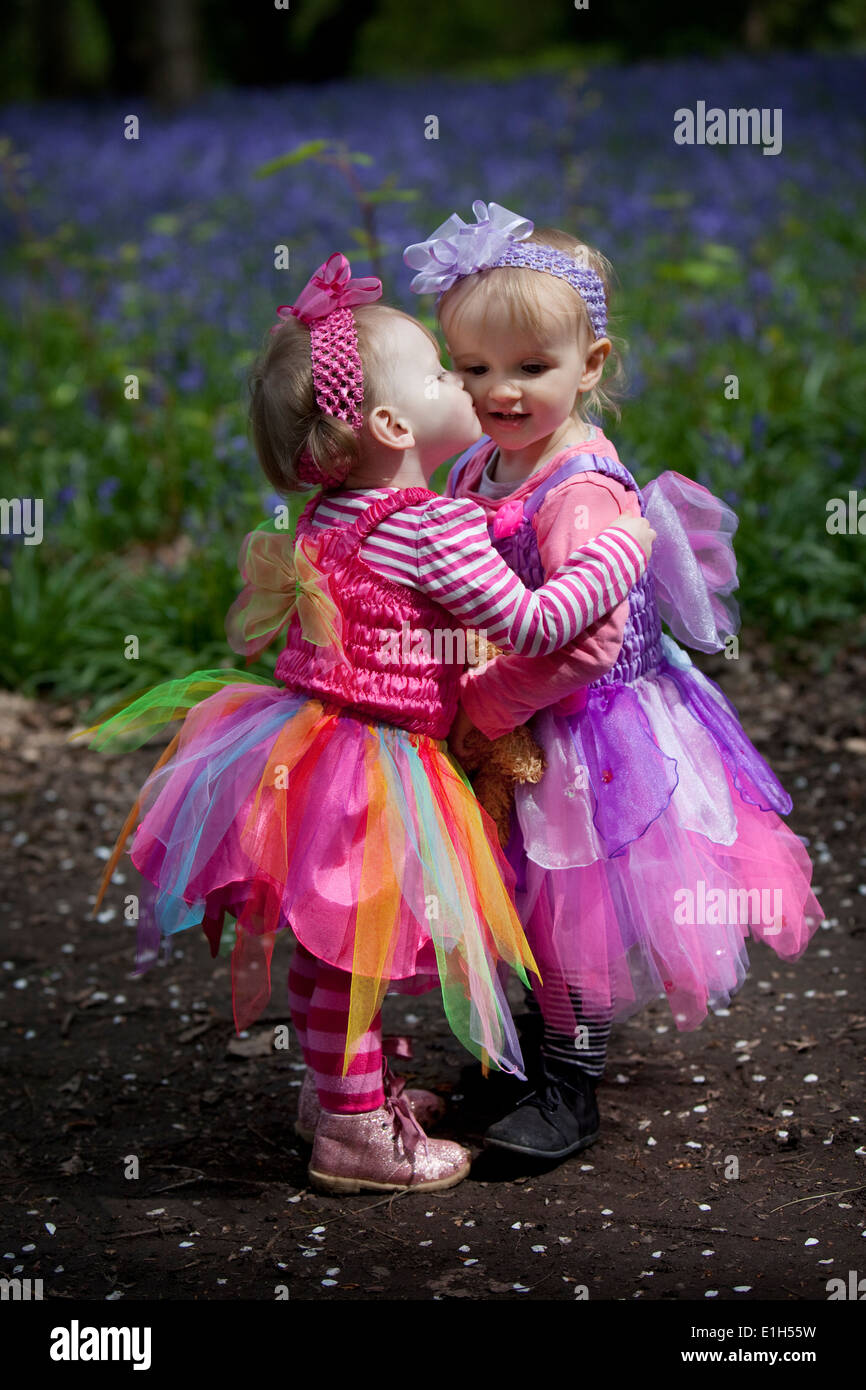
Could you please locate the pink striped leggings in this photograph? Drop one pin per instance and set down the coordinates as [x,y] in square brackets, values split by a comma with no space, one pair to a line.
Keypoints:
[319,1001]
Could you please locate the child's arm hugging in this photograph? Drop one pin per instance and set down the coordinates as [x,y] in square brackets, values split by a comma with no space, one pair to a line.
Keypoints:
[457,566]
[505,693]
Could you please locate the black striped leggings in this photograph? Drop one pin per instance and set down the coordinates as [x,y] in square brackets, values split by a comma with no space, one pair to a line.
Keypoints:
[584,1045]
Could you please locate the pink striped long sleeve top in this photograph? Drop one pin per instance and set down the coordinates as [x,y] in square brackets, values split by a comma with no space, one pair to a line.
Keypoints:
[442,548]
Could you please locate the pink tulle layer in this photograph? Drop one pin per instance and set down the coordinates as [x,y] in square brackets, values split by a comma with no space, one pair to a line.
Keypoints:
[648,859]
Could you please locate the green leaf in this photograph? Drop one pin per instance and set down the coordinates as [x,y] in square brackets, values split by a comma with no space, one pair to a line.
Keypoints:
[393,195]
[361,238]
[297,156]
[680,199]
[165,224]
[815,377]
[702,273]
[716,251]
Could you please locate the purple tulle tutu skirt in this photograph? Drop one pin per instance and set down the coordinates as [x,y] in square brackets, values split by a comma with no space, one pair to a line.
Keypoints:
[651,848]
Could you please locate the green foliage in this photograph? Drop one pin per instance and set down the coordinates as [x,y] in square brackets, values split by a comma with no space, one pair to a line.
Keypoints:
[791,442]
[469,37]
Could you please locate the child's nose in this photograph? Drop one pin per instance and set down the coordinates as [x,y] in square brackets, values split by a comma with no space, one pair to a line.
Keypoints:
[503,391]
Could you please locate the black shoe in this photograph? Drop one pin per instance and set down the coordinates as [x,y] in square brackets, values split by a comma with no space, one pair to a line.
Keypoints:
[559,1118]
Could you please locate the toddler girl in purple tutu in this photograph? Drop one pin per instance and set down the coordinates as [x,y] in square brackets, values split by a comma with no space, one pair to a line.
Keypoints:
[652,845]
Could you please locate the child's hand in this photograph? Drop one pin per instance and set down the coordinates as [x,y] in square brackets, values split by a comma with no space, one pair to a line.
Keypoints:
[640,530]
[457,733]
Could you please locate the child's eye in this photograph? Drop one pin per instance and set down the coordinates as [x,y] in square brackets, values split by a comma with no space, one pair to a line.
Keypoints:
[474,371]
[534,367]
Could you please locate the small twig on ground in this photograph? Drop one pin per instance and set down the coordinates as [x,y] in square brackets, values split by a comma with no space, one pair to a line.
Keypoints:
[205,1177]
[390,1198]
[380,1232]
[264,1138]
[816,1195]
[151,1231]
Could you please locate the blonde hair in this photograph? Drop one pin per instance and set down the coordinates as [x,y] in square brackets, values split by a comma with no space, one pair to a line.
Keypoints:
[284,415]
[532,298]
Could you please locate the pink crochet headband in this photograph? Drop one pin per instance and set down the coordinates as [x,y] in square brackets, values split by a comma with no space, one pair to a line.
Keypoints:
[324,304]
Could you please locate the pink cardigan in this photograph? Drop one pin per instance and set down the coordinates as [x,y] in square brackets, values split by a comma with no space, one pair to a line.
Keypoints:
[510,689]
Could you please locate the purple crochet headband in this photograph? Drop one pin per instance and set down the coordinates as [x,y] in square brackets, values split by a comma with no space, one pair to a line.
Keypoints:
[324,305]
[457,249]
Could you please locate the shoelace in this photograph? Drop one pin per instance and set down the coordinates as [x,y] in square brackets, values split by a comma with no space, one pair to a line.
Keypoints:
[400,1112]
[546,1097]
[549,1095]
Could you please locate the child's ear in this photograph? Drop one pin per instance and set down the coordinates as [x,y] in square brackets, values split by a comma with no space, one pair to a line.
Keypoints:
[387,426]
[594,364]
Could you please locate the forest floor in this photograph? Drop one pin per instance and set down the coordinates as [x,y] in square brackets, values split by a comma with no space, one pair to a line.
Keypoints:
[731,1162]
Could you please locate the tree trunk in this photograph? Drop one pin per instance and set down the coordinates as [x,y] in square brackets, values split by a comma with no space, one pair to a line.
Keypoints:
[51,26]
[175,77]
[755,27]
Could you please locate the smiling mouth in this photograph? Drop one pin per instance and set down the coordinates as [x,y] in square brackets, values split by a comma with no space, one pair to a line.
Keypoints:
[507,414]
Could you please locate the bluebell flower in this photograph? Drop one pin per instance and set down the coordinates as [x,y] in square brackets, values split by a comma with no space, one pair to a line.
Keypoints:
[104,493]
[64,497]
[191,379]
[733,452]
[760,283]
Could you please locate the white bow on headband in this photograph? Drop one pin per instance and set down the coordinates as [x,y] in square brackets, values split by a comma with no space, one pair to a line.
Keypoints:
[458,248]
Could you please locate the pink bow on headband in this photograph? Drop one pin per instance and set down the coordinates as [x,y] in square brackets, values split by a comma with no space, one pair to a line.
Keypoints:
[331,287]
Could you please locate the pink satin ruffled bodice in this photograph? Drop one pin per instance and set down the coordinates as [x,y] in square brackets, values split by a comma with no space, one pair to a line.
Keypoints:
[405,653]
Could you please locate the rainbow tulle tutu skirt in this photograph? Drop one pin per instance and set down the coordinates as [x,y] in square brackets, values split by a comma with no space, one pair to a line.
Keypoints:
[362,838]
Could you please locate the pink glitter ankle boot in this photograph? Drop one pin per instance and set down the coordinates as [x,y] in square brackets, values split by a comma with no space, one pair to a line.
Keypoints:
[384,1150]
[425,1106]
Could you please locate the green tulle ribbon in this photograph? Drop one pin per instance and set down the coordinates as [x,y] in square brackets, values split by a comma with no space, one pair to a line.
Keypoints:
[133,723]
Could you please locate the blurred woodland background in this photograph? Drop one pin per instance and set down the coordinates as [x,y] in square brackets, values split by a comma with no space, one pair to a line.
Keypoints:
[154,253]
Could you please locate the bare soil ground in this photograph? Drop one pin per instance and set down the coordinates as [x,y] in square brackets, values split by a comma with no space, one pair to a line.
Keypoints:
[100,1068]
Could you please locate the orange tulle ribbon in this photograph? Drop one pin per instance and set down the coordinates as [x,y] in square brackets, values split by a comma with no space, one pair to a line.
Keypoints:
[276,586]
